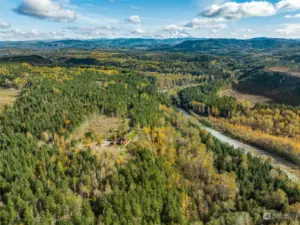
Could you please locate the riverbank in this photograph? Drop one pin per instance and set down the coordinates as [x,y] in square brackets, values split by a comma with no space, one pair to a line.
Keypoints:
[290,169]
[254,138]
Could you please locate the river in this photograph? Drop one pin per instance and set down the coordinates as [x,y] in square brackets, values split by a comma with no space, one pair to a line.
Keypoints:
[290,169]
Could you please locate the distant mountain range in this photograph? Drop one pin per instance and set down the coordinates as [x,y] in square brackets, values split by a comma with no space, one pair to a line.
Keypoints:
[134,43]
[185,43]
[235,45]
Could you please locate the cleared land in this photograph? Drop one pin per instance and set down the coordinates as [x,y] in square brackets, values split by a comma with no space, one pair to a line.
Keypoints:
[284,70]
[100,125]
[7,97]
[104,128]
[253,99]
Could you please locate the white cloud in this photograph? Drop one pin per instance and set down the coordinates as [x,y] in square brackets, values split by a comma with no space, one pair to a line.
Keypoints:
[289,29]
[288,4]
[175,27]
[233,10]
[139,32]
[172,34]
[33,34]
[218,26]
[93,31]
[244,30]
[90,29]
[4,25]
[292,16]
[46,9]
[216,23]
[212,24]
[245,36]
[133,19]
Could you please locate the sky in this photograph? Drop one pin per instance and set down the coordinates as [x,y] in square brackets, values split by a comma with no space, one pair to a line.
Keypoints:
[92,19]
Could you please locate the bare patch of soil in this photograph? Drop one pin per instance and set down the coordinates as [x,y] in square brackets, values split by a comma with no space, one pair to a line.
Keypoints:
[241,97]
[284,70]
[7,97]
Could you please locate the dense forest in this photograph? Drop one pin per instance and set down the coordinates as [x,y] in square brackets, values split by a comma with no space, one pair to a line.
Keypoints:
[162,168]
[282,84]
[273,127]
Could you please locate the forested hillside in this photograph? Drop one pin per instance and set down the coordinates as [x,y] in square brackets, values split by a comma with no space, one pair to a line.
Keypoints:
[280,84]
[235,46]
[60,164]
[273,127]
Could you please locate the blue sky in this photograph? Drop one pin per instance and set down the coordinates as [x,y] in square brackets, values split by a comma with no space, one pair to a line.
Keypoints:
[89,19]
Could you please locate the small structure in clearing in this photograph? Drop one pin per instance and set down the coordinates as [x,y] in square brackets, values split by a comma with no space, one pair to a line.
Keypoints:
[102,133]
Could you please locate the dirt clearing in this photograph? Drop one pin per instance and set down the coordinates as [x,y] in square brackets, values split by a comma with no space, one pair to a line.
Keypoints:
[284,70]
[101,125]
[241,97]
[7,97]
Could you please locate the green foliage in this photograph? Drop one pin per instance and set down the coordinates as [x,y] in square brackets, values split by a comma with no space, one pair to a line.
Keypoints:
[141,193]
[37,180]
[171,173]
[205,100]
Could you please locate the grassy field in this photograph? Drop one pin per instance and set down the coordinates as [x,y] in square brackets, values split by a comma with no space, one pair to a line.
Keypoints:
[7,97]
[253,99]
[100,125]
[104,128]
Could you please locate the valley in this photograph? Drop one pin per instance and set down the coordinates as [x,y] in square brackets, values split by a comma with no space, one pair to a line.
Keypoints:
[292,170]
[135,112]
[94,135]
